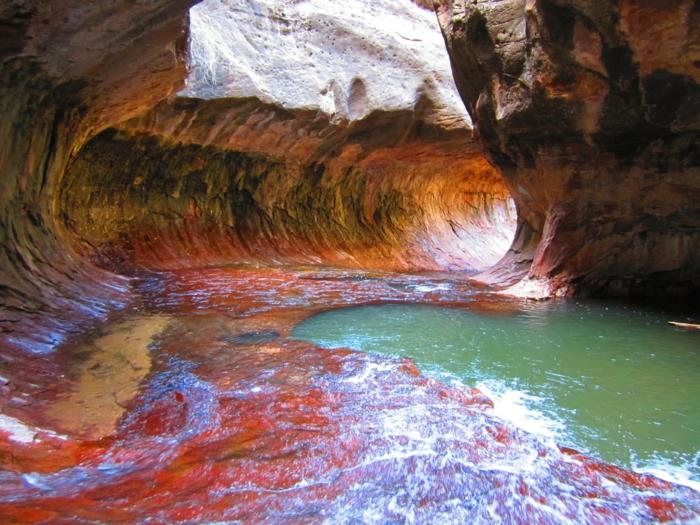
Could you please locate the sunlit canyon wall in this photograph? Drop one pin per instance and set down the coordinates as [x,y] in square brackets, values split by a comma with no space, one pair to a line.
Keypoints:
[316,132]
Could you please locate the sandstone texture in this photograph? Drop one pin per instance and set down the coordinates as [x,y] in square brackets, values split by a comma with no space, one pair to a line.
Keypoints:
[332,132]
[137,202]
[159,180]
[313,132]
[67,70]
[591,110]
[303,132]
[229,428]
[344,59]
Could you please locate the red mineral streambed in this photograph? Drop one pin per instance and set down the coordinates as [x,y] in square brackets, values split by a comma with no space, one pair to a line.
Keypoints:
[195,406]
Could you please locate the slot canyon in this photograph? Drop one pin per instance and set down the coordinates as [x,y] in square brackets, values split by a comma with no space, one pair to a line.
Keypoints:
[305,261]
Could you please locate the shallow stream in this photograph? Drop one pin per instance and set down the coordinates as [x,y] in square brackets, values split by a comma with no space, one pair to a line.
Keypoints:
[222,396]
[614,381]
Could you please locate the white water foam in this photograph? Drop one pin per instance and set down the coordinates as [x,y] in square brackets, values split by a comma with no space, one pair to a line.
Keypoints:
[679,474]
[430,287]
[518,407]
[19,432]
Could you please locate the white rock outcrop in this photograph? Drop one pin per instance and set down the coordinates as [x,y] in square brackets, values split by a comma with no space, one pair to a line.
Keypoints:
[344,58]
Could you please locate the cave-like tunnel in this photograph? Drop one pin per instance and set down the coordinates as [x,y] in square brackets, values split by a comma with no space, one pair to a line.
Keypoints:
[349,150]
[257,254]
[137,202]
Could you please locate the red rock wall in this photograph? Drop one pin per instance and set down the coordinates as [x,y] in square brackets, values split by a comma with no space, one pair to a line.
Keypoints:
[67,70]
[250,182]
[592,111]
[396,190]
[589,109]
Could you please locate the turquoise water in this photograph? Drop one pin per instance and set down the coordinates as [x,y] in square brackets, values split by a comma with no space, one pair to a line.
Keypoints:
[615,382]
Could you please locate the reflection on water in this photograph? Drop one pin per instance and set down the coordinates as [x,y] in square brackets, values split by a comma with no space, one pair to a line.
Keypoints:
[108,378]
[617,382]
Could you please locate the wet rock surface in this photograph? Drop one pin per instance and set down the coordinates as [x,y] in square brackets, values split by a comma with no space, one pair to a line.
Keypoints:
[283,431]
[71,70]
[68,70]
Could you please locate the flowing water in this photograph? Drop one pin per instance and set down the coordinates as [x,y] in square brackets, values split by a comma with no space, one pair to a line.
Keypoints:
[616,382]
[200,404]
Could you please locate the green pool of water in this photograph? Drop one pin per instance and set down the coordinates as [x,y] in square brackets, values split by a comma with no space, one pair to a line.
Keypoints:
[618,383]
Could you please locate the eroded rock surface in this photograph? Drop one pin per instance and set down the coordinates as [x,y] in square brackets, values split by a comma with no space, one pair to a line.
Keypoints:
[67,70]
[345,59]
[591,110]
[308,132]
[108,376]
[363,195]
[221,415]
[229,429]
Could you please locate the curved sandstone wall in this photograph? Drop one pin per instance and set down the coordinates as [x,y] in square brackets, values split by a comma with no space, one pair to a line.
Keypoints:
[67,70]
[139,201]
[592,111]
[307,132]
[364,156]
[313,132]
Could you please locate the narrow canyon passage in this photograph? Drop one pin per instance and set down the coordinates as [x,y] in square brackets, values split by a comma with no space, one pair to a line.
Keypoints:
[375,168]
[269,261]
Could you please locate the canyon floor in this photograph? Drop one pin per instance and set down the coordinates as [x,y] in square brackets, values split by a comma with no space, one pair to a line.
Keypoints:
[196,405]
